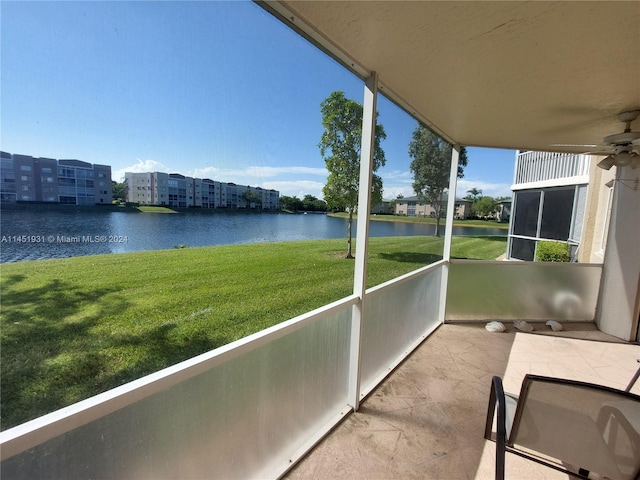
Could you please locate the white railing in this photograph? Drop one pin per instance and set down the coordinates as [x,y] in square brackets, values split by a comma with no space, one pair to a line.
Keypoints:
[250,409]
[498,290]
[253,408]
[532,167]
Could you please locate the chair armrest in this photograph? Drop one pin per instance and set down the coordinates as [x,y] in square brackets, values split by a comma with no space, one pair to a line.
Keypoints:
[496,397]
[497,402]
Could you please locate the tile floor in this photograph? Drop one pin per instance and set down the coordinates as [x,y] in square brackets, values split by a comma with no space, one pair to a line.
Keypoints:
[426,420]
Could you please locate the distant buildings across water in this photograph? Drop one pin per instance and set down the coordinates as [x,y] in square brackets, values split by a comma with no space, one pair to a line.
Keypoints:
[179,191]
[24,178]
[27,179]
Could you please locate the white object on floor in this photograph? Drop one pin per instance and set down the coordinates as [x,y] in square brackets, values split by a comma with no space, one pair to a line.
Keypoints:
[523,326]
[496,327]
[555,326]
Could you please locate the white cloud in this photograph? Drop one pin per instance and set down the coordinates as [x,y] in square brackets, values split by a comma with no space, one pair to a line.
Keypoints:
[140,167]
[298,188]
[401,183]
[255,172]
[488,188]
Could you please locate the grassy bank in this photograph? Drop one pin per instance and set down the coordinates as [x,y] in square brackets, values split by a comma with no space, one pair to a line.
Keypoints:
[72,328]
[432,221]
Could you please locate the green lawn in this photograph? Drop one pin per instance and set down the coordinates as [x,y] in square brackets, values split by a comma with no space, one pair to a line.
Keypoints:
[431,221]
[72,328]
[153,209]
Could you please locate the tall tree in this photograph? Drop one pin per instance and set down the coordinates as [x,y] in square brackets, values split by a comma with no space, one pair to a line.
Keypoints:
[292,204]
[313,204]
[340,149]
[431,167]
[473,194]
[119,191]
[484,207]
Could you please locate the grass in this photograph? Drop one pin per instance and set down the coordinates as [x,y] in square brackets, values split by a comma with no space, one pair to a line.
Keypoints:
[152,209]
[430,221]
[72,328]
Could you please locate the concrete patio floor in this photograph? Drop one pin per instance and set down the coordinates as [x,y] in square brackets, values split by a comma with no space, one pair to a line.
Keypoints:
[426,420]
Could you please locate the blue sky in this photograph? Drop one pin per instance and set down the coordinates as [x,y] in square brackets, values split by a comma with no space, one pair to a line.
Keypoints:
[215,90]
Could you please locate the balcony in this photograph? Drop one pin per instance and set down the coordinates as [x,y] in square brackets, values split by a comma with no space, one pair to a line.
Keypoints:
[253,408]
[536,168]
[426,420]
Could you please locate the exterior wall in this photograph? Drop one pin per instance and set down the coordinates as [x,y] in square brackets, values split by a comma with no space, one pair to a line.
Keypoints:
[619,306]
[24,167]
[45,179]
[138,188]
[160,192]
[104,187]
[412,207]
[597,215]
[549,202]
[30,179]
[179,191]
[8,193]
[232,195]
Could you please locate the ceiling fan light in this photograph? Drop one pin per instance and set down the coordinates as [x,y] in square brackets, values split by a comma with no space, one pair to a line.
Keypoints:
[623,159]
[607,162]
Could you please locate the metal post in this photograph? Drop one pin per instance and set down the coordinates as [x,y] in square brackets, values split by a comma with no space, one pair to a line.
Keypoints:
[362,234]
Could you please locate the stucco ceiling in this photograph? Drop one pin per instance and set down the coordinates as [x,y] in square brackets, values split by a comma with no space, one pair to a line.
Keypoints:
[526,75]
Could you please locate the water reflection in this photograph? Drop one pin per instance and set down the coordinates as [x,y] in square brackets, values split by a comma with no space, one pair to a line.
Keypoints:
[30,235]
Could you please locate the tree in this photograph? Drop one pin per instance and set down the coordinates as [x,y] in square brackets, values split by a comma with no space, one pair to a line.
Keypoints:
[251,198]
[313,204]
[292,204]
[431,167]
[119,191]
[473,194]
[340,149]
[484,207]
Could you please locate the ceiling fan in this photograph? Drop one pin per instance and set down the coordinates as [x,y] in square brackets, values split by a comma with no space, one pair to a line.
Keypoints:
[622,149]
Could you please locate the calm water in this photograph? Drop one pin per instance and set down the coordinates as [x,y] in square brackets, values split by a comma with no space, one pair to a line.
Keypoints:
[39,235]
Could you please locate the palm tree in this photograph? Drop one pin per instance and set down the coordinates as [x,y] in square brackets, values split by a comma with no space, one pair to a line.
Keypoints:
[473,194]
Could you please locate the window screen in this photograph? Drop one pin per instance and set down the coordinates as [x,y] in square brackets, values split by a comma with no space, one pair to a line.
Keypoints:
[556,213]
[523,249]
[526,213]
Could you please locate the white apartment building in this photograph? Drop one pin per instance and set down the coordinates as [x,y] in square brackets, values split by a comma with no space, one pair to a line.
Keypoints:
[180,191]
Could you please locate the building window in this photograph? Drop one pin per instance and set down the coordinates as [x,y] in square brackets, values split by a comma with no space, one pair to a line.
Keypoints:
[526,216]
[25,168]
[523,249]
[556,214]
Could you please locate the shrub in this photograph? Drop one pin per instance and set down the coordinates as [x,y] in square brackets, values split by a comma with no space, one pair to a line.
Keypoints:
[552,252]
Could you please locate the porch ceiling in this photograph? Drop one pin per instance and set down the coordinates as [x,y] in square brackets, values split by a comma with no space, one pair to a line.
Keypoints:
[526,75]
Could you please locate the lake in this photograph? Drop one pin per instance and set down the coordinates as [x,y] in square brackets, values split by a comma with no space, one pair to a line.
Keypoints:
[34,235]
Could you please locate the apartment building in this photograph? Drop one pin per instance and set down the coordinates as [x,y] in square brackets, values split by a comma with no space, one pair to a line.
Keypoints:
[550,196]
[24,178]
[414,207]
[180,191]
